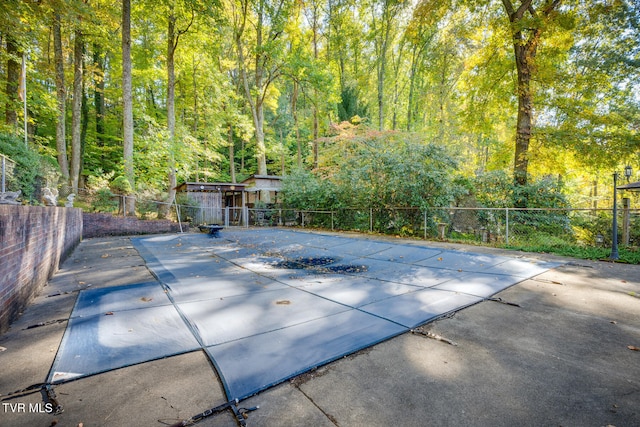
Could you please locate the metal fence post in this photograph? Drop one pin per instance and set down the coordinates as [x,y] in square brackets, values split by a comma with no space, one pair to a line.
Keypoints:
[425,225]
[506,226]
[4,167]
[371,220]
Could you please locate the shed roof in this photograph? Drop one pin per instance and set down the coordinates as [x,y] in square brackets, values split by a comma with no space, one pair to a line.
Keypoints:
[210,186]
[633,186]
[257,183]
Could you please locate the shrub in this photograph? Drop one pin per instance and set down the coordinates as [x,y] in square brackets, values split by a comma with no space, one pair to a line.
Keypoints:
[362,168]
[30,167]
[121,185]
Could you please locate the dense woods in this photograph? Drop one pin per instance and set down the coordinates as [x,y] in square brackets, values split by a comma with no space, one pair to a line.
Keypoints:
[405,103]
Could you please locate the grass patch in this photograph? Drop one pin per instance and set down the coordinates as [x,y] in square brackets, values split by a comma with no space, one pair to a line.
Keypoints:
[626,254]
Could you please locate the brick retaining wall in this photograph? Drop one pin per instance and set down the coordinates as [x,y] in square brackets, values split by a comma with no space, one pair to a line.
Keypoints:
[100,224]
[33,242]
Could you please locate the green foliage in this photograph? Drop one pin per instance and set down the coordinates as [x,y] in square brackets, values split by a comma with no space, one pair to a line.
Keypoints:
[31,169]
[121,185]
[627,255]
[449,76]
[496,190]
[100,198]
[104,201]
[365,169]
[545,201]
[305,190]
[189,207]
[350,106]
[146,205]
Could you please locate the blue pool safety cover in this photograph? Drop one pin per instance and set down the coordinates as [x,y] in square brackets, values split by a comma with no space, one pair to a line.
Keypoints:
[116,327]
[269,304]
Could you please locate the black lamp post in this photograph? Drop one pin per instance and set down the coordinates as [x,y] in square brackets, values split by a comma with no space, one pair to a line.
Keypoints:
[614,233]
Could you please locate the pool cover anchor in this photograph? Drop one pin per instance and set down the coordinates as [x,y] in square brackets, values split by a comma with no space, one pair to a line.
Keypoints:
[433,336]
[501,301]
[50,396]
[239,413]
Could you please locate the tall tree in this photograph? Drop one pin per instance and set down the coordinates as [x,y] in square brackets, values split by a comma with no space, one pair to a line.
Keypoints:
[313,17]
[61,143]
[173,38]
[265,45]
[527,25]
[98,94]
[127,101]
[76,116]
[13,76]
[383,23]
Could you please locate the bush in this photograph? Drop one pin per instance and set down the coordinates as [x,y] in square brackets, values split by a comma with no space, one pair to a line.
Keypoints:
[101,199]
[362,169]
[306,191]
[497,190]
[30,168]
[104,201]
[121,185]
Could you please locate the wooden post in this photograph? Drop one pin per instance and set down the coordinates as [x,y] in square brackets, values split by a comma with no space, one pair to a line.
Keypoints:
[626,221]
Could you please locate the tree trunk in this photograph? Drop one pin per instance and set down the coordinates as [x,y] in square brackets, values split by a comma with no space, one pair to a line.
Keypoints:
[61,143]
[525,47]
[195,97]
[232,164]
[98,95]
[381,72]
[171,114]
[524,119]
[83,133]
[315,134]
[294,112]
[76,117]
[258,115]
[127,108]
[314,107]
[256,105]
[412,79]
[388,15]
[13,82]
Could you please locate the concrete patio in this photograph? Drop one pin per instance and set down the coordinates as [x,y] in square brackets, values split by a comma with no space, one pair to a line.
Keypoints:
[565,356]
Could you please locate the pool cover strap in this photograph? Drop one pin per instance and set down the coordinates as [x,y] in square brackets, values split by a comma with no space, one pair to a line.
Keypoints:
[239,413]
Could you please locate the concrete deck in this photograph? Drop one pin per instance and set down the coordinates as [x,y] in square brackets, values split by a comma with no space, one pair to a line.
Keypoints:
[561,358]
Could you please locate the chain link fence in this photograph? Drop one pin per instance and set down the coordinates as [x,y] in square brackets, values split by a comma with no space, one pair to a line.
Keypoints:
[7,177]
[532,228]
[506,227]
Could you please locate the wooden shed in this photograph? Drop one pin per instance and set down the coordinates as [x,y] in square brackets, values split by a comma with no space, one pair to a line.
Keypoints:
[215,202]
[256,185]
